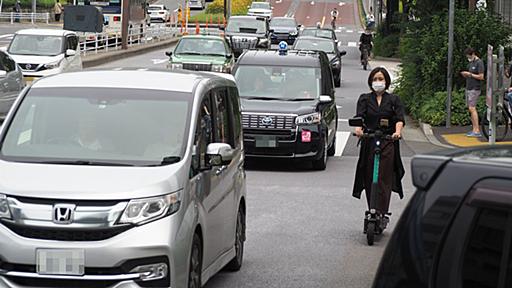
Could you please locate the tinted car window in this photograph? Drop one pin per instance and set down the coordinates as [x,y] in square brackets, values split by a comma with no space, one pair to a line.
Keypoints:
[203,135]
[326,46]
[36,45]
[222,124]
[280,22]
[483,254]
[246,25]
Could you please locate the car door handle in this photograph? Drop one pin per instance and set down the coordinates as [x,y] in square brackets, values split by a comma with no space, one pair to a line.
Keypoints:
[220,170]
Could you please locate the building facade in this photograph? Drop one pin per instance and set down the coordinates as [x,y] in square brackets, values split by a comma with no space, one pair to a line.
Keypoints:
[504,8]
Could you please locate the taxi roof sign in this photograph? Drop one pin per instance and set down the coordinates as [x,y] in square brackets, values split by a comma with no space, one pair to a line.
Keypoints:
[283,48]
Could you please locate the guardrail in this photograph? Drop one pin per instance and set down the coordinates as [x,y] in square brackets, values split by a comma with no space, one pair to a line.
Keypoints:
[17,17]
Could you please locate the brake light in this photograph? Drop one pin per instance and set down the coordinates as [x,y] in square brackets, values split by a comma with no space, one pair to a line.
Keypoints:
[117,18]
[306,136]
[161,12]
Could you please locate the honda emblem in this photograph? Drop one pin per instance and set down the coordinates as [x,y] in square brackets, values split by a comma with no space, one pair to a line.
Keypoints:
[63,213]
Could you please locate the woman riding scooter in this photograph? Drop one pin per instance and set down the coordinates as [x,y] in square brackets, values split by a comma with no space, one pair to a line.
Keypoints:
[376,108]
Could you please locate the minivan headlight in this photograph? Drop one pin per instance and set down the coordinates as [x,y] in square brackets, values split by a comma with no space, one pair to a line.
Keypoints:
[5,212]
[141,211]
[176,66]
[52,65]
[313,118]
[220,68]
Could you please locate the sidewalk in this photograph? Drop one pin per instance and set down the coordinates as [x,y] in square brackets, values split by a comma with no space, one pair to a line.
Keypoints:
[456,137]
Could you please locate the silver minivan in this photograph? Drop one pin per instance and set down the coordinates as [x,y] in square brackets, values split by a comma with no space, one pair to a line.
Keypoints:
[126,178]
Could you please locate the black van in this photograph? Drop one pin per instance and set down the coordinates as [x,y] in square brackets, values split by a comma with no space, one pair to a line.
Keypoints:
[288,105]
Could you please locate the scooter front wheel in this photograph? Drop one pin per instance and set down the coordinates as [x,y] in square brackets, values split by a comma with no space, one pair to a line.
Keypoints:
[370,233]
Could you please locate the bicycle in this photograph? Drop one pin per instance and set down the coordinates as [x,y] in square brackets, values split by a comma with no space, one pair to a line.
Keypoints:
[364,56]
[503,120]
[375,222]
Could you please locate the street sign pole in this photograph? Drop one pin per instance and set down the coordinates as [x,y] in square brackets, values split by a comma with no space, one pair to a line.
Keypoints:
[125,20]
[490,99]
[449,73]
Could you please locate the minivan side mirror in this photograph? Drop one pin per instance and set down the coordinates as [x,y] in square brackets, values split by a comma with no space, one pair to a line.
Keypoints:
[325,99]
[343,53]
[220,154]
[3,73]
[168,53]
[356,122]
[70,52]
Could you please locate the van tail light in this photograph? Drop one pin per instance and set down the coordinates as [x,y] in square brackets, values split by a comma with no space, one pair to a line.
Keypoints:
[117,18]
[306,136]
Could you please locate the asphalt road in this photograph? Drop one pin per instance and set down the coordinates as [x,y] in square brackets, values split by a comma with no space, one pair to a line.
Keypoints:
[303,227]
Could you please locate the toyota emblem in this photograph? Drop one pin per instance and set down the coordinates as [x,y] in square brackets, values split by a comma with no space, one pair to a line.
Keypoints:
[28,66]
[267,120]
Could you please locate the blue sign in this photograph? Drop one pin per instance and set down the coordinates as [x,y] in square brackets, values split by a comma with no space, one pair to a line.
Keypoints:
[283,47]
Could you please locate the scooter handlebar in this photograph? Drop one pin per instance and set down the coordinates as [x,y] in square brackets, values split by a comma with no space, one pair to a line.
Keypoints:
[373,135]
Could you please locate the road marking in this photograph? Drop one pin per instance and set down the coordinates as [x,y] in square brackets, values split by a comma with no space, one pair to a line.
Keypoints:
[341,142]
[312,3]
[323,21]
[352,44]
[341,3]
[339,106]
[350,31]
[159,61]
[6,35]
[342,120]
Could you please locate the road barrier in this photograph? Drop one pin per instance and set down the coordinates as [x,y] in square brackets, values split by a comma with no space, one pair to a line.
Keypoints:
[32,17]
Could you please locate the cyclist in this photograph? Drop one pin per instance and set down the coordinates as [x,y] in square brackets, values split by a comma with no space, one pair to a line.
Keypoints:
[334,16]
[366,39]
[373,107]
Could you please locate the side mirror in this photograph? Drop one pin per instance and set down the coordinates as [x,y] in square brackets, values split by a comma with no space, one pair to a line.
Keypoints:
[220,154]
[3,74]
[222,28]
[70,52]
[343,53]
[229,56]
[271,30]
[168,53]
[356,122]
[324,99]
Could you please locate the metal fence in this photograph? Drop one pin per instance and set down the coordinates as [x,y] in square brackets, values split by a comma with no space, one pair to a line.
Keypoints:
[18,17]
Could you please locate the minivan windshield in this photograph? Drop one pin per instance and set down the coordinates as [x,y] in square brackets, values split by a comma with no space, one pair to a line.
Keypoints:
[246,25]
[278,82]
[107,126]
[36,45]
[197,46]
[317,44]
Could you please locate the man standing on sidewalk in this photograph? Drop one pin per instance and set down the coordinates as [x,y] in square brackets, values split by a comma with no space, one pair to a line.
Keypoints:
[474,77]
[57,9]
[17,10]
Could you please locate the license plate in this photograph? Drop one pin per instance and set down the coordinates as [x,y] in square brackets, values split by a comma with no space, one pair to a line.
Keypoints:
[60,261]
[29,80]
[265,141]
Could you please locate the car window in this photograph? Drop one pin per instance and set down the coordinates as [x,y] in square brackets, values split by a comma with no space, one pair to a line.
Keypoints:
[36,45]
[197,46]
[237,117]
[260,5]
[246,25]
[3,61]
[72,42]
[485,249]
[223,130]
[203,135]
[326,46]
[282,22]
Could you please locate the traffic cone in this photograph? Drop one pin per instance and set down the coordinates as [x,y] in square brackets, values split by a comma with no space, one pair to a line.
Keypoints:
[206,29]
[197,27]
[224,21]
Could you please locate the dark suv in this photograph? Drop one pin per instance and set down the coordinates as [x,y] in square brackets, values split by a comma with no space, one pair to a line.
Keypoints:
[457,229]
[247,32]
[288,105]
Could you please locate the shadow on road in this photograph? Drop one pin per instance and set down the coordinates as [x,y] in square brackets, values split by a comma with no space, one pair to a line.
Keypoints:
[278,165]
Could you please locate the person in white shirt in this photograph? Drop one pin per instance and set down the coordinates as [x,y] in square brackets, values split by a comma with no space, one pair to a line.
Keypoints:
[88,134]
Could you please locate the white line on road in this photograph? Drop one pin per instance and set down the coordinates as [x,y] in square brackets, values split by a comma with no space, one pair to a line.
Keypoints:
[341,142]
[350,31]
[342,120]
[352,44]
[159,61]
[6,35]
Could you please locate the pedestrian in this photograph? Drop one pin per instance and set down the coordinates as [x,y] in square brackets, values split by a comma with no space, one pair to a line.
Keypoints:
[474,78]
[375,108]
[370,19]
[57,9]
[17,10]
[508,73]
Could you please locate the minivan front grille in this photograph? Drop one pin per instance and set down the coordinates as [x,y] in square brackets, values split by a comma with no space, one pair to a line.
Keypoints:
[271,121]
[238,42]
[95,234]
[197,66]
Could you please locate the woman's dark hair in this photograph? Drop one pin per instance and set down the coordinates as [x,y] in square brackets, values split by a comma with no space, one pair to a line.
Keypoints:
[384,72]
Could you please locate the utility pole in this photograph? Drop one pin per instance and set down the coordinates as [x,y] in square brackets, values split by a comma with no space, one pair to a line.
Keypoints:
[125,20]
[449,73]
[34,6]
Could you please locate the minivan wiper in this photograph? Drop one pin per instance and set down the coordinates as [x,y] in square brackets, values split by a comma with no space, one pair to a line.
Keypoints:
[265,98]
[170,160]
[189,53]
[301,99]
[85,163]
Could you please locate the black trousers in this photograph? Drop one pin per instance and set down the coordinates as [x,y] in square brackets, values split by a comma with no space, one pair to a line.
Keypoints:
[387,158]
[57,17]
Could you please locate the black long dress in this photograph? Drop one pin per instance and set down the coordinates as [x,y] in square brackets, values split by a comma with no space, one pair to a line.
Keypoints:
[391,169]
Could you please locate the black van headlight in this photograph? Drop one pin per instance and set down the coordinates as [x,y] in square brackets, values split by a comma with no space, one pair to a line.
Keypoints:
[141,211]
[308,119]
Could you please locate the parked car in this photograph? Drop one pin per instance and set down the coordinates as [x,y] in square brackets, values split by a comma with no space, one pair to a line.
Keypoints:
[319,32]
[289,108]
[247,32]
[196,4]
[43,52]
[283,29]
[201,53]
[260,9]
[329,47]
[456,230]
[159,13]
[11,81]
[136,180]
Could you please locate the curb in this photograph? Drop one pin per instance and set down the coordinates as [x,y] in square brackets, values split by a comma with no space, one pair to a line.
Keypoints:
[362,13]
[429,134]
[380,58]
[104,57]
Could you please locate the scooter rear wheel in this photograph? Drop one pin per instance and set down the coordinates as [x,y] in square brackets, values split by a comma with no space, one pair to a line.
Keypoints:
[370,233]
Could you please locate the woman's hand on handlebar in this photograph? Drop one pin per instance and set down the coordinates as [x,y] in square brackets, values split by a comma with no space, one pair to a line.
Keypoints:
[396,136]
[359,132]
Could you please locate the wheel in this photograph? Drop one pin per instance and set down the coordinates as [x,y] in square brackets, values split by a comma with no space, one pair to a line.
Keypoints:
[332,149]
[196,259]
[370,233]
[337,81]
[501,125]
[365,66]
[236,263]
[321,163]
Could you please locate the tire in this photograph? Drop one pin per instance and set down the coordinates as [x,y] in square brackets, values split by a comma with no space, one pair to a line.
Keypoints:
[332,149]
[195,263]
[337,81]
[321,163]
[501,125]
[370,233]
[365,66]
[236,263]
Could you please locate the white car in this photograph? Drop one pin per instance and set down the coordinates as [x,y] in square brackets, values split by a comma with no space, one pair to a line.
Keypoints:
[159,13]
[197,4]
[44,52]
[260,9]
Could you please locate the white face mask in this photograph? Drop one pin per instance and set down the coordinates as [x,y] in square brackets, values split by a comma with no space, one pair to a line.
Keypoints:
[379,86]
[470,59]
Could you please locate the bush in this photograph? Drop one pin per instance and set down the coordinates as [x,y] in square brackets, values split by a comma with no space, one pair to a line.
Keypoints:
[424,53]
[238,7]
[387,46]
[8,5]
